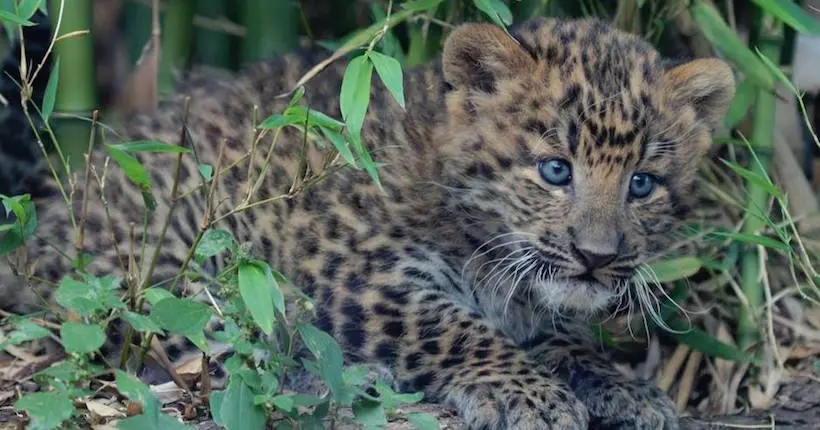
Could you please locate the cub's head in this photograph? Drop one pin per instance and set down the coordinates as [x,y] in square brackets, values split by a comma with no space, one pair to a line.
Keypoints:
[572,150]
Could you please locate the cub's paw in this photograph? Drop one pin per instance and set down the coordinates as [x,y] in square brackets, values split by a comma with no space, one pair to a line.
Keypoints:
[615,403]
[509,405]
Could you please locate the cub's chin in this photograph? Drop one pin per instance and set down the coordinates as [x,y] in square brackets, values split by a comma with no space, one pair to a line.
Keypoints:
[579,295]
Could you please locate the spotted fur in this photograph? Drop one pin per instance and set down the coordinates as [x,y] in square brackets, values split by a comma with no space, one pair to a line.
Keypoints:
[468,276]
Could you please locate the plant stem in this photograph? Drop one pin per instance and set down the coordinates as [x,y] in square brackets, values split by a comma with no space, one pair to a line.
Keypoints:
[177,31]
[770,44]
[272,28]
[76,91]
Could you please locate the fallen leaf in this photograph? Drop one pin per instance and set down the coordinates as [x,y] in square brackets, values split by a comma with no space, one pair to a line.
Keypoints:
[168,392]
[103,410]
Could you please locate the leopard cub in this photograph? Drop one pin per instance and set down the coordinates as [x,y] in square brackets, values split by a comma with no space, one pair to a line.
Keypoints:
[529,177]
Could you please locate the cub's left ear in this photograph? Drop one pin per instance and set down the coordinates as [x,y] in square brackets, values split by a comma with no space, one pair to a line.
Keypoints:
[476,56]
[706,84]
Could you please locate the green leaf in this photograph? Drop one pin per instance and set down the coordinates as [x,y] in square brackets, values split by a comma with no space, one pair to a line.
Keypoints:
[215,402]
[24,226]
[7,17]
[755,239]
[753,177]
[207,171]
[389,70]
[137,392]
[340,143]
[141,323]
[63,371]
[297,115]
[355,94]
[297,95]
[81,338]
[284,403]
[729,43]
[152,146]
[144,422]
[47,410]
[744,97]
[420,5]
[154,295]
[777,72]
[213,242]
[422,421]
[26,8]
[329,360]
[24,331]
[370,414]
[365,160]
[131,166]
[50,94]
[790,13]
[238,411]
[86,298]
[180,315]
[14,205]
[705,343]
[496,10]
[674,269]
[255,291]
[391,400]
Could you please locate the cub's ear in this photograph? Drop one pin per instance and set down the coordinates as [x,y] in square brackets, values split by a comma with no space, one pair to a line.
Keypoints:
[706,84]
[477,55]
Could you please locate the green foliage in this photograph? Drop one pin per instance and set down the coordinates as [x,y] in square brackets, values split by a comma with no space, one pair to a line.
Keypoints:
[47,410]
[253,294]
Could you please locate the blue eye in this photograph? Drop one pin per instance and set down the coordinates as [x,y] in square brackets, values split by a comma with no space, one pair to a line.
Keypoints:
[641,185]
[555,171]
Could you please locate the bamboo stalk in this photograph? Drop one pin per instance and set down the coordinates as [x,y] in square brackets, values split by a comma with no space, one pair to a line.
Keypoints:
[770,45]
[272,27]
[137,28]
[76,91]
[177,37]
[213,47]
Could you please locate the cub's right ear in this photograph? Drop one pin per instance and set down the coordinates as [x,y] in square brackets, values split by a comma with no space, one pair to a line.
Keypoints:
[476,56]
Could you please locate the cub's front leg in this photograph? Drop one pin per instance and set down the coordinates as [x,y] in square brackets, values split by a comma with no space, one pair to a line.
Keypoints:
[612,400]
[435,345]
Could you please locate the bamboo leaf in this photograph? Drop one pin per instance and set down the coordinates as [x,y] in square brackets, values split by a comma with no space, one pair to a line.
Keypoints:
[756,239]
[777,72]
[730,44]
[355,95]
[754,178]
[496,10]
[675,269]
[131,166]
[50,95]
[26,8]
[420,5]
[792,14]
[706,343]
[152,146]
[389,70]
[744,97]
[8,17]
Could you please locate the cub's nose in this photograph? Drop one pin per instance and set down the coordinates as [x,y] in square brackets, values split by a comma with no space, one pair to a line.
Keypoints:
[594,259]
